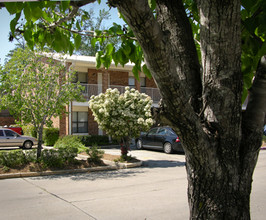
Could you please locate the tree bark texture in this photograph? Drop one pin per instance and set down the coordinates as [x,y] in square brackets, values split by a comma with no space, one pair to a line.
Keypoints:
[203,105]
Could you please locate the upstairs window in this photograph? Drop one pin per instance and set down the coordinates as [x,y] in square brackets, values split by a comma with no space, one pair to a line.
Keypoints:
[81,77]
[131,82]
[142,82]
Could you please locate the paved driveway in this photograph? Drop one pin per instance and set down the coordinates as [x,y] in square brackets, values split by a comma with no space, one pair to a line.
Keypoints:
[153,192]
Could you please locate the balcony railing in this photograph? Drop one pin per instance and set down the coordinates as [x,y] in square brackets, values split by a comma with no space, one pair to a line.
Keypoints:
[95,89]
[152,92]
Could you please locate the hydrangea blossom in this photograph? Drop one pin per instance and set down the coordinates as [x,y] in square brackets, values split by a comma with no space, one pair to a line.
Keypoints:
[122,115]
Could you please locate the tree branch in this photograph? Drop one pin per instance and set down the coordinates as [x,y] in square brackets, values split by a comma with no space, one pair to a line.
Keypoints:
[71,15]
[73,3]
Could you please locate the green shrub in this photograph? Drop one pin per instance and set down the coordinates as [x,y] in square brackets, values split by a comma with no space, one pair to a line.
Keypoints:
[12,158]
[6,169]
[50,136]
[29,130]
[95,154]
[86,140]
[57,158]
[89,140]
[70,141]
[68,153]
[53,158]
[50,158]
[31,155]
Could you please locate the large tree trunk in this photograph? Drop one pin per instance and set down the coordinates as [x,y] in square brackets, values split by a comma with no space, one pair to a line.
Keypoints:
[203,107]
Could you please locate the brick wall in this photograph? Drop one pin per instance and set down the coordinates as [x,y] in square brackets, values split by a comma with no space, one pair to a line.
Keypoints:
[118,78]
[7,121]
[150,83]
[63,125]
[92,76]
[92,125]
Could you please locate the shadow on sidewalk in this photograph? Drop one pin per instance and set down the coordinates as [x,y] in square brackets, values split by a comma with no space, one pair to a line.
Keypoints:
[162,164]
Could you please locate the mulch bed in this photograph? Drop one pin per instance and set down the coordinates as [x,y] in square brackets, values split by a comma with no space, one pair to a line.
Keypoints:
[35,167]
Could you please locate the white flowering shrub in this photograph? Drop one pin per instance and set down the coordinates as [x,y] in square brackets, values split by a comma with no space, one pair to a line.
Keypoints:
[122,115]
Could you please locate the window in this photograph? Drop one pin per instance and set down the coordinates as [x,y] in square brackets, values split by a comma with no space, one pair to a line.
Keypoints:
[162,131]
[153,131]
[131,81]
[10,133]
[80,122]
[1,133]
[142,82]
[81,77]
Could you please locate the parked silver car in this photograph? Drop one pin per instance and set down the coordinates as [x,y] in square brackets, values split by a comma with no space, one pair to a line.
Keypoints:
[9,138]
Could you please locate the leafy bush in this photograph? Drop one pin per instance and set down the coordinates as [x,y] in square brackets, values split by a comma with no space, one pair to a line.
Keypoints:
[56,158]
[68,153]
[31,155]
[85,140]
[70,141]
[50,136]
[29,130]
[89,140]
[12,159]
[50,158]
[95,154]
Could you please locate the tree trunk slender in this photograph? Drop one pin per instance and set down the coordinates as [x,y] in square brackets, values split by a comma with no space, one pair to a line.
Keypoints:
[39,147]
[124,146]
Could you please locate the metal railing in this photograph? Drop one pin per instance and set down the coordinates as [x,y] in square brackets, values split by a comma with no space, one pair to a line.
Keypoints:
[152,92]
[95,89]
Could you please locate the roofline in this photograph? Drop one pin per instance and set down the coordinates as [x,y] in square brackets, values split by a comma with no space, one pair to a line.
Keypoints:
[87,60]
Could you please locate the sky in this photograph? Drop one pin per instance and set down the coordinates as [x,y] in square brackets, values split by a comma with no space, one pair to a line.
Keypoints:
[5,18]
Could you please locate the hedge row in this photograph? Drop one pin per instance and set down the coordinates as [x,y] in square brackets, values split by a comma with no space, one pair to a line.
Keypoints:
[51,135]
[87,140]
[50,158]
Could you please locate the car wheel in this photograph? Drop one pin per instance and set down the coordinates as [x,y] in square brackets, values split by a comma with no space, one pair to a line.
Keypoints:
[167,148]
[27,145]
[139,144]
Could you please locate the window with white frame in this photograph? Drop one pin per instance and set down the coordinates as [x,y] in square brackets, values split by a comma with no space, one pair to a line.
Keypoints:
[81,77]
[79,122]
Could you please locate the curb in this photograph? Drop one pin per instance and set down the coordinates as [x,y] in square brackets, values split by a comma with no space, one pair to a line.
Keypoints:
[110,166]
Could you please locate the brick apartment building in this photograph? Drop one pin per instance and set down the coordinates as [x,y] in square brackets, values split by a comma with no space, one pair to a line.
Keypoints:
[80,121]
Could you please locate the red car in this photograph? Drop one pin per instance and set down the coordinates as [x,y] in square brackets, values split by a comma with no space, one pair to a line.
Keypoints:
[16,129]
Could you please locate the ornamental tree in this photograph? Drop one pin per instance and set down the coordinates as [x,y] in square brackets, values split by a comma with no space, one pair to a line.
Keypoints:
[36,88]
[193,49]
[122,116]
